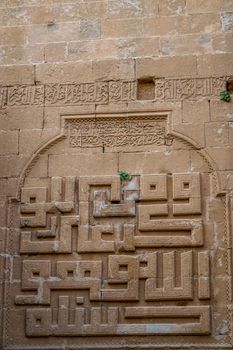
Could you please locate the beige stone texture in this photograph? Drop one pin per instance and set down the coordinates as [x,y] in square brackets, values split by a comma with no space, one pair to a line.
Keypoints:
[177,25]
[82,164]
[11,165]
[221,111]
[9,142]
[166,66]
[180,45]
[30,139]
[55,52]
[215,64]
[16,74]
[3,222]
[12,36]
[53,32]
[22,54]
[217,134]
[159,162]
[113,69]
[110,48]
[116,174]
[200,6]
[121,28]
[195,113]
[193,131]
[17,118]
[69,73]
[140,8]
[8,186]
[170,8]
[222,156]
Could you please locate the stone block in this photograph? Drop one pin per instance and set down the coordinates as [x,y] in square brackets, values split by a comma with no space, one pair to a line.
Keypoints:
[16,74]
[222,43]
[230,130]
[222,157]
[56,12]
[138,47]
[227,5]
[220,110]
[115,108]
[227,21]
[200,6]
[8,186]
[113,69]
[175,25]
[192,131]
[55,52]
[197,163]
[8,142]
[83,164]
[53,115]
[13,16]
[166,66]
[159,162]
[53,32]
[218,64]
[3,221]
[120,28]
[25,54]
[98,49]
[171,8]
[13,35]
[40,169]
[217,134]
[30,140]
[91,9]
[21,118]
[89,29]
[195,112]
[69,73]
[12,165]
[125,9]
[186,45]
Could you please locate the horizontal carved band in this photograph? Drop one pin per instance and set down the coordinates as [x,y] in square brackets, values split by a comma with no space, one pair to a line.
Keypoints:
[104,92]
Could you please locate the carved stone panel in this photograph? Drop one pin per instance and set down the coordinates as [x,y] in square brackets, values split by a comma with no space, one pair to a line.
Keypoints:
[95,259]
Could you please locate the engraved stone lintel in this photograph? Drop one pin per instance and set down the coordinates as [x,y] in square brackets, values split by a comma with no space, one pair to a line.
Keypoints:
[125,130]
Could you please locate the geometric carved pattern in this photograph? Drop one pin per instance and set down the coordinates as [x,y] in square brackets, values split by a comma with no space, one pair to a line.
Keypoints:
[128,242]
[45,212]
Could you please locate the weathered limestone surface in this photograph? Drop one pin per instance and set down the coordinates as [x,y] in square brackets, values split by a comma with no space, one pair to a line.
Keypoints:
[89,259]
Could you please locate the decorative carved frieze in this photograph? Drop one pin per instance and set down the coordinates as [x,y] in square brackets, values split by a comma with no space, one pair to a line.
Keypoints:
[188,88]
[105,92]
[116,131]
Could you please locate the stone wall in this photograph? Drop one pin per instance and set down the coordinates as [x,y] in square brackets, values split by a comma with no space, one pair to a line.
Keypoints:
[91,259]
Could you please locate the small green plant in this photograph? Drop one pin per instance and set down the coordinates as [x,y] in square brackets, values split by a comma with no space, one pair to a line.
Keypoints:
[225,96]
[124,175]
